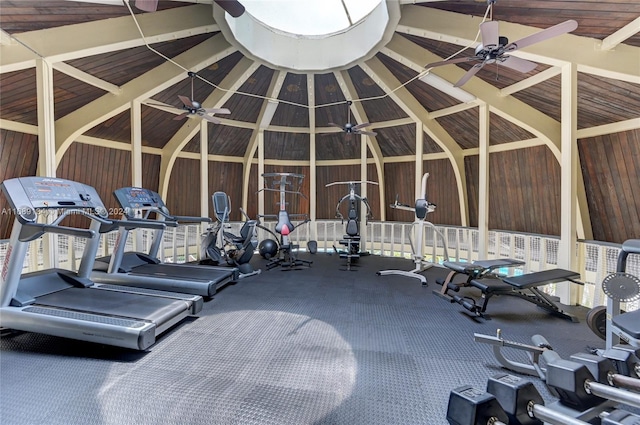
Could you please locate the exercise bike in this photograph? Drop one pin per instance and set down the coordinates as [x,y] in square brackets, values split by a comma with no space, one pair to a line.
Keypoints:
[286,255]
[421,209]
[351,238]
[219,247]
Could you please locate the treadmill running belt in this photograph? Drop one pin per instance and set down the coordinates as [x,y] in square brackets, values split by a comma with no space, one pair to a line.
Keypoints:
[184,272]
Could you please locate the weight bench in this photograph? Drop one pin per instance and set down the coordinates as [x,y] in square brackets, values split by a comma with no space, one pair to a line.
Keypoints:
[524,287]
[480,269]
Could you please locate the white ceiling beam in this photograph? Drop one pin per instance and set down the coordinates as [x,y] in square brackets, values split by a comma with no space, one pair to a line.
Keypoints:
[455,28]
[6,39]
[531,81]
[85,77]
[452,110]
[163,76]
[616,127]
[621,35]
[91,38]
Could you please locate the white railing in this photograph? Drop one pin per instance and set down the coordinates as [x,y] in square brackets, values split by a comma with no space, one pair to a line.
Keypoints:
[392,239]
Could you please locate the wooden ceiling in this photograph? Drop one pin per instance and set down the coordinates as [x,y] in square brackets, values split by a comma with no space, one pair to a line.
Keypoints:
[101,65]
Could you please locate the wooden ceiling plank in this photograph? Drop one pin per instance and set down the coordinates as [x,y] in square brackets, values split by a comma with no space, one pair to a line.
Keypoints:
[621,63]
[229,85]
[85,77]
[621,35]
[390,84]
[141,88]
[91,38]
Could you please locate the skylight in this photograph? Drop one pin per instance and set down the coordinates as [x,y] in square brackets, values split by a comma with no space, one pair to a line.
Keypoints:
[310,17]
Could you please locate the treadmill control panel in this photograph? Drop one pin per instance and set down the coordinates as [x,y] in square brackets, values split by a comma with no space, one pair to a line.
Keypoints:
[34,193]
[132,198]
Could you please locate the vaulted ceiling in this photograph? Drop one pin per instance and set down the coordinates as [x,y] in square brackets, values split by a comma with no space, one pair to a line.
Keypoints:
[106,64]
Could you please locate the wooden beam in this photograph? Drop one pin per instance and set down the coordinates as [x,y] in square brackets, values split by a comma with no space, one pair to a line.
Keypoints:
[96,37]
[87,78]
[621,35]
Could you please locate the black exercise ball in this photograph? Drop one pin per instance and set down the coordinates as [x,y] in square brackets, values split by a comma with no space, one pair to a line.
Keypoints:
[268,248]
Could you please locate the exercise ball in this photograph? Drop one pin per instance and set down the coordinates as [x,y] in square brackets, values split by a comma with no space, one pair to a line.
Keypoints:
[268,248]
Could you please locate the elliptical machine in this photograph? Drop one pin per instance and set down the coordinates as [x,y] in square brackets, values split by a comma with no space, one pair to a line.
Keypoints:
[351,238]
[219,247]
[421,209]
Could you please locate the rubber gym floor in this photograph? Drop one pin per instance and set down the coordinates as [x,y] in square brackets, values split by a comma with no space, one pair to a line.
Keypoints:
[316,346]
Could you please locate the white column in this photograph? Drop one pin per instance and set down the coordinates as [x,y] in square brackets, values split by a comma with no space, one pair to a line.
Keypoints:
[419,161]
[136,163]
[363,191]
[569,178]
[313,199]
[260,172]
[483,182]
[46,148]
[204,169]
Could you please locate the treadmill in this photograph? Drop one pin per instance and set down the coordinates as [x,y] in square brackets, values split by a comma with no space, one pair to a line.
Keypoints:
[145,269]
[65,303]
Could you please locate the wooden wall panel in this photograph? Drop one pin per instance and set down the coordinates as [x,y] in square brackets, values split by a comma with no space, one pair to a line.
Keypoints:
[524,191]
[611,172]
[442,191]
[183,196]
[226,177]
[18,158]
[399,184]
[151,171]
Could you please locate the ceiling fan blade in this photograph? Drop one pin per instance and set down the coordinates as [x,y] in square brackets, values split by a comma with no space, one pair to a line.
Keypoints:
[470,73]
[181,116]
[332,124]
[359,126]
[232,7]
[554,31]
[489,32]
[518,64]
[367,133]
[210,118]
[216,110]
[186,101]
[147,5]
[450,61]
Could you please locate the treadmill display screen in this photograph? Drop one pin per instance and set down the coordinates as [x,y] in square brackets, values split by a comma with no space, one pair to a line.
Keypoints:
[137,198]
[52,190]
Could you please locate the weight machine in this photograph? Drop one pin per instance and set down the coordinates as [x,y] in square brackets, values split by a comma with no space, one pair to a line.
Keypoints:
[421,209]
[351,238]
[287,251]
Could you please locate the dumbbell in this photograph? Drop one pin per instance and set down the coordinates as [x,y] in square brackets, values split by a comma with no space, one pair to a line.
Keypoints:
[472,406]
[605,372]
[625,359]
[523,404]
[577,387]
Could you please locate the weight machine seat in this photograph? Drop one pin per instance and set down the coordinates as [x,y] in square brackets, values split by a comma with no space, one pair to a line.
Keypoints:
[491,286]
[629,323]
[477,267]
[544,277]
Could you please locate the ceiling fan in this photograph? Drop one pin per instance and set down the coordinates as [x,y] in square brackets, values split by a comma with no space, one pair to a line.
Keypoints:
[232,7]
[350,129]
[496,49]
[191,107]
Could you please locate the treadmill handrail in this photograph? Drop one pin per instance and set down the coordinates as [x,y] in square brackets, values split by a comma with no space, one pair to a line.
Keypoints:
[32,231]
[134,223]
[191,219]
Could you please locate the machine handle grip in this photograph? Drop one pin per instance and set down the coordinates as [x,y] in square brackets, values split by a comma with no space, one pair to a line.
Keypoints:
[64,230]
[139,224]
[190,219]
